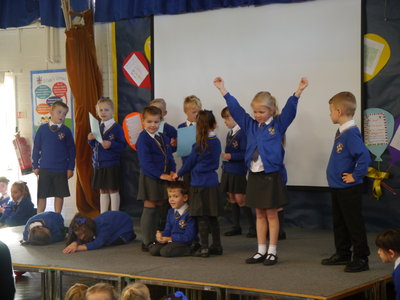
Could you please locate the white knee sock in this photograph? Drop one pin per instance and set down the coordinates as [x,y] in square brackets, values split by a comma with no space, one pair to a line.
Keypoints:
[115,201]
[104,202]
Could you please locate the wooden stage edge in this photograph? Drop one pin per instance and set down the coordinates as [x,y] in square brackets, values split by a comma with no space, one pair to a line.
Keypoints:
[376,285]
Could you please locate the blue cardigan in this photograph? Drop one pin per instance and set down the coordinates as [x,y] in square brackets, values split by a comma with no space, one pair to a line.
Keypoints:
[396,281]
[171,133]
[52,220]
[349,155]
[182,229]
[269,138]
[103,158]
[18,216]
[203,167]
[110,226]
[236,147]
[53,151]
[153,161]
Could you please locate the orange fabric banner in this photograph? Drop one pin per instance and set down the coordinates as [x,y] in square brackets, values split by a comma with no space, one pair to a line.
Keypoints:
[86,85]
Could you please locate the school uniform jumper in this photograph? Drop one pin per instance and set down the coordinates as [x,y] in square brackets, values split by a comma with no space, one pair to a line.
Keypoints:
[396,281]
[233,179]
[204,191]
[17,214]
[183,231]
[349,155]
[268,141]
[112,227]
[171,132]
[51,220]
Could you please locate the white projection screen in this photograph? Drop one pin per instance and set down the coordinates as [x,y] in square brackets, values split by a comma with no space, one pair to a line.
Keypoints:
[270,48]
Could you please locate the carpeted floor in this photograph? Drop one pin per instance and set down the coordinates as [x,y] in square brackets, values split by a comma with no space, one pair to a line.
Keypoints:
[298,272]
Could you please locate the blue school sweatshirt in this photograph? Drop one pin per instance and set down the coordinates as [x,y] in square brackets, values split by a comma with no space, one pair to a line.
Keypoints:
[153,161]
[236,147]
[103,158]
[53,150]
[182,229]
[349,155]
[269,138]
[203,166]
[110,226]
[18,215]
[52,220]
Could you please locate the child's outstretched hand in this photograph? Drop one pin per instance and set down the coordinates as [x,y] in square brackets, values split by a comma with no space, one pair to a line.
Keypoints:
[166,177]
[220,85]
[302,85]
[71,248]
[173,142]
[348,178]
[226,156]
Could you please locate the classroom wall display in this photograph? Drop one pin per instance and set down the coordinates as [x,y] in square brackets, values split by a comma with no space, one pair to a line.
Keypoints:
[376,55]
[270,48]
[47,87]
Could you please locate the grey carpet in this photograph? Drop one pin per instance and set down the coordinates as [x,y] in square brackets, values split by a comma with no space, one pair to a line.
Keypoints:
[298,272]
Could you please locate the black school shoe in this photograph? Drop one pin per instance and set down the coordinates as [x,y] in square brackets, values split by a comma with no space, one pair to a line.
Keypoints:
[270,260]
[335,260]
[215,250]
[202,252]
[233,231]
[145,248]
[357,265]
[252,260]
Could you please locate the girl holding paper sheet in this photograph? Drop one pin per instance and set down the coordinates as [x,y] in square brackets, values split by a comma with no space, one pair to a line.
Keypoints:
[107,155]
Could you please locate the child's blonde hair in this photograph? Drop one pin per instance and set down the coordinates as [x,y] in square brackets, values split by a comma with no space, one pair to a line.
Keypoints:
[105,100]
[39,236]
[136,291]
[76,292]
[102,287]
[159,101]
[22,187]
[345,101]
[192,100]
[267,100]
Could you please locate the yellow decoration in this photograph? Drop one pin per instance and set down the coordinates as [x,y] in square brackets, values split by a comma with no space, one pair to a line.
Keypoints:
[376,55]
[147,48]
[378,177]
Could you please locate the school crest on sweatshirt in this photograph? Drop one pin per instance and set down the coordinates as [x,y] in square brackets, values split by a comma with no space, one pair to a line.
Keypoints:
[339,148]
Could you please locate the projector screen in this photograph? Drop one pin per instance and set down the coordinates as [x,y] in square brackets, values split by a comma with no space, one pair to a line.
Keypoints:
[266,48]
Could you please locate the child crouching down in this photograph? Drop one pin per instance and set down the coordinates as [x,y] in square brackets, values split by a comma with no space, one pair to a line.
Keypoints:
[180,230]
[108,229]
[44,228]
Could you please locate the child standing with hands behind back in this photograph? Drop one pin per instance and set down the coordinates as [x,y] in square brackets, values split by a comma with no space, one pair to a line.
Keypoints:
[107,156]
[264,158]
[202,163]
[348,164]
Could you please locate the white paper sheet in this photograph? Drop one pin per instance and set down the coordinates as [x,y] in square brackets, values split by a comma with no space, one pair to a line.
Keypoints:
[95,128]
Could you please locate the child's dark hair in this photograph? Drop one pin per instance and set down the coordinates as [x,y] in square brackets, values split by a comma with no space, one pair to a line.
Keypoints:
[39,236]
[225,113]
[389,240]
[205,123]
[178,185]
[60,103]
[4,180]
[22,186]
[80,222]
[152,111]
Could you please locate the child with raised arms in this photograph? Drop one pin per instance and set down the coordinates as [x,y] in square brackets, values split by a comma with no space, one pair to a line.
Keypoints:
[53,158]
[107,156]
[157,166]
[204,194]
[233,179]
[44,228]
[20,208]
[180,229]
[167,129]
[191,107]
[347,166]
[388,243]
[265,190]
[108,229]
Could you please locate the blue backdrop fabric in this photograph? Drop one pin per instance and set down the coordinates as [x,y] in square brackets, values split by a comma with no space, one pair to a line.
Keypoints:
[17,13]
